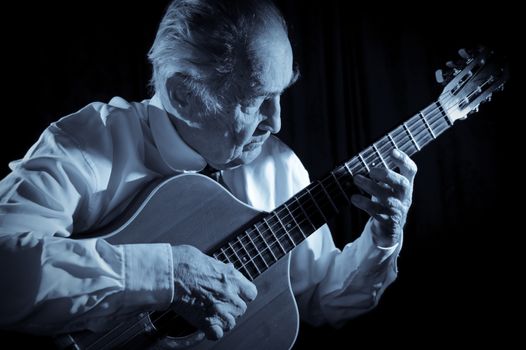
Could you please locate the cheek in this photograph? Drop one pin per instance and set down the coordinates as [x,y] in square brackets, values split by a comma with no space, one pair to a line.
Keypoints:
[244,127]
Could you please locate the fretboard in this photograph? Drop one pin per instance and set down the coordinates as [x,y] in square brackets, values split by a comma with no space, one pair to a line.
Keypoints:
[257,248]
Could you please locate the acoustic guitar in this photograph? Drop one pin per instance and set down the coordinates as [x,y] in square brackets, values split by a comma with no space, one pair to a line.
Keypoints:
[177,211]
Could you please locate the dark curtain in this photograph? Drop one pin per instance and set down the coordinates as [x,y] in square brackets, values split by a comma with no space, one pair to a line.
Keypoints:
[363,72]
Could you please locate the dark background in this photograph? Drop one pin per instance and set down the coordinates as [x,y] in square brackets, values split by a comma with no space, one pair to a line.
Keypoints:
[364,71]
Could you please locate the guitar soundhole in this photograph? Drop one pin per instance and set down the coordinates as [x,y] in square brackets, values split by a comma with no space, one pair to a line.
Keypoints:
[169,324]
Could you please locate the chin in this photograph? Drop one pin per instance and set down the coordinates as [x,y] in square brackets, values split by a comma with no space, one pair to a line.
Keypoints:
[245,158]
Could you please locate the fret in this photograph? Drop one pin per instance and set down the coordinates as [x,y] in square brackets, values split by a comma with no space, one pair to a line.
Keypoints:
[276,229]
[340,187]
[217,255]
[428,127]
[443,120]
[295,221]
[253,255]
[391,139]
[304,212]
[241,263]
[363,162]
[444,113]
[411,136]
[241,260]
[251,259]
[370,157]
[285,228]
[266,243]
[316,204]
[227,259]
[329,197]
[256,249]
[274,234]
[380,156]
[234,258]
[348,169]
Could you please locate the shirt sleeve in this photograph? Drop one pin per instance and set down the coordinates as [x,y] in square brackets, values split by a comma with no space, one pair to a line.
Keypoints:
[52,283]
[332,286]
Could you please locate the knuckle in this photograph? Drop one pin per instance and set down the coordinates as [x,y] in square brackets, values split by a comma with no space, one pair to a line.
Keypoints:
[404,182]
[242,307]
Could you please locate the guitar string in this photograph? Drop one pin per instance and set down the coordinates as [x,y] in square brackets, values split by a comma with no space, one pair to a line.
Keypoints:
[407,140]
[421,134]
[395,134]
[432,116]
[283,224]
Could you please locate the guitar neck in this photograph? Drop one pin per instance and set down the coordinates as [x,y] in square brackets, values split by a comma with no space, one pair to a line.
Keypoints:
[275,234]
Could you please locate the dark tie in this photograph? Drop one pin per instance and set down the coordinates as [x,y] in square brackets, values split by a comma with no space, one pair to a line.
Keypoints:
[212,173]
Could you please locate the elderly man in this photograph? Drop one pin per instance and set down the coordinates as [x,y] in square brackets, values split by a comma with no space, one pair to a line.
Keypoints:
[219,70]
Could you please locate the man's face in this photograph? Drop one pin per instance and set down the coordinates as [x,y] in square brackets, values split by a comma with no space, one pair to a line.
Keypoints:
[250,108]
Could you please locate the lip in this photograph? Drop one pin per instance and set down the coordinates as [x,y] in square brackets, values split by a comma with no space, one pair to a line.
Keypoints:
[255,142]
[259,139]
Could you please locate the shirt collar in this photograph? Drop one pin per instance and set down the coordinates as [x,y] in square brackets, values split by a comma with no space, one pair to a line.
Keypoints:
[174,151]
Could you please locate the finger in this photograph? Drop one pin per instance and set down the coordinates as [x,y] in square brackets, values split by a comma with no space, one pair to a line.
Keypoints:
[223,312]
[375,210]
[230,322]
[398,183]
[213,332]
[370,207]
[371,187]
[239,306]
[406,165]
[247,290]
[233,304]
[390,205]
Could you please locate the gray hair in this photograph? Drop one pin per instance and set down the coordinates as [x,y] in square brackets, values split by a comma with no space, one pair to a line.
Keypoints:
[204,39]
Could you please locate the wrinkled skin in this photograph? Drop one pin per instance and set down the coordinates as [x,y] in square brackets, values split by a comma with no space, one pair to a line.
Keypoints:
[391,198]
[209,294]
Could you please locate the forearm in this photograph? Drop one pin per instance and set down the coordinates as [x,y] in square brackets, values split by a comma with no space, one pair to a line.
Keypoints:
[343,284]
[58,284]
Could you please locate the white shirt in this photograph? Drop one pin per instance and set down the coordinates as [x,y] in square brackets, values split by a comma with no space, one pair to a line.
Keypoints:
[83,172]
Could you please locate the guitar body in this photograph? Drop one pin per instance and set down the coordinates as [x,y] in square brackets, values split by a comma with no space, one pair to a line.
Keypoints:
[195,210]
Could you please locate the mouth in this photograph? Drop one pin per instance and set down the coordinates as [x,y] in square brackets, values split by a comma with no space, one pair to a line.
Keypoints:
[256,142]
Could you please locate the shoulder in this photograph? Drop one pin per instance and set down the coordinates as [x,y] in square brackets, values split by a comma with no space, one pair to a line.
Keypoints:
[99,116]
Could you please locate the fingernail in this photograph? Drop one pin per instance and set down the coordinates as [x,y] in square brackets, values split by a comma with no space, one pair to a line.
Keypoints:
[396,153]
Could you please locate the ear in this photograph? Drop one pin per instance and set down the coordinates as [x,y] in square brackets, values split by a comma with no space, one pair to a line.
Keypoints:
[178,90]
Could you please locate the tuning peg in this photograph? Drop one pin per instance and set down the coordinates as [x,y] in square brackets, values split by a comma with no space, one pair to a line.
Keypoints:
[439,76]
[501,87]
[464,54]
[454,65]
[488,99]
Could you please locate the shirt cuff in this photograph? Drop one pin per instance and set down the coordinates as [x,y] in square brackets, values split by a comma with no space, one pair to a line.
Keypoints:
[148,273]
[370,251]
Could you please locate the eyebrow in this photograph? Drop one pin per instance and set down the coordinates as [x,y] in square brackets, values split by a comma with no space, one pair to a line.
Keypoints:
[295,76]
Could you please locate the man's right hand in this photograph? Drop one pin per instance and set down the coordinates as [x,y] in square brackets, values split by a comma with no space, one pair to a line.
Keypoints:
[208,293]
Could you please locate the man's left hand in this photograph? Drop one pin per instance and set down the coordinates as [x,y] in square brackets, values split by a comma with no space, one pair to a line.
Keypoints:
[391,198]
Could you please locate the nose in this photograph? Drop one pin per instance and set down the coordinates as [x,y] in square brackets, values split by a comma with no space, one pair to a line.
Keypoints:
[271,111]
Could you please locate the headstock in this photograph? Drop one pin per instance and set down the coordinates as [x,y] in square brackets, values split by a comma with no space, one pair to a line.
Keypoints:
[470,82]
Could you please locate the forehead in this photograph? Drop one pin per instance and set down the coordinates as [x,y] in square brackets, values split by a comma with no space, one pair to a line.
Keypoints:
[268,67]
